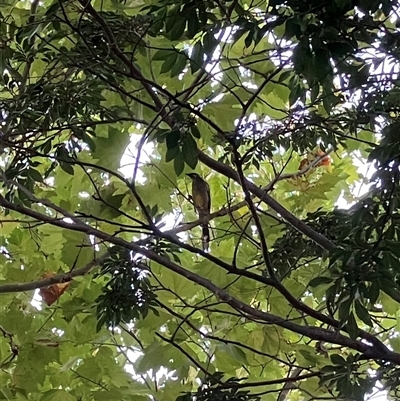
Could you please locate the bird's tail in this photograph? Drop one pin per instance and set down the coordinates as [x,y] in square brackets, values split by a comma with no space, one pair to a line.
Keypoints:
[205,237]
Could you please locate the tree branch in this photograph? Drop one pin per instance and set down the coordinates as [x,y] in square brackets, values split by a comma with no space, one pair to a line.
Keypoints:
[314,333]
[222,168]
[59,278]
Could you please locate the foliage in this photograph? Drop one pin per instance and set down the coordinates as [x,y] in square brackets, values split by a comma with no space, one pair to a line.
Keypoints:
[128,295]
[288,109]
[212,390]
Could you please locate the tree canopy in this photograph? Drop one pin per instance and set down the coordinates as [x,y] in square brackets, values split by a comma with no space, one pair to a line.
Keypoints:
[289,110]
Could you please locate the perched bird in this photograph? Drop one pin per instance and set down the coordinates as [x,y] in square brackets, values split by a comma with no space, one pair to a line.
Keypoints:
[202,202]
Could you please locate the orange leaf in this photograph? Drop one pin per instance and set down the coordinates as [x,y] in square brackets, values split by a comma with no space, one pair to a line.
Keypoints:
[326,161]
[303,164]
[51,293]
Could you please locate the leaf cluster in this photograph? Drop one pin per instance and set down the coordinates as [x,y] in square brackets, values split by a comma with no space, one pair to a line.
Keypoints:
[128,295]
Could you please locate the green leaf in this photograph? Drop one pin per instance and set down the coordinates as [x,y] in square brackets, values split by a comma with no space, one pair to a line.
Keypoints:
[173,139]
[196,57]
[352,327]
[179,164]
[344,309]
[195,131]
[172,153]
[193,23]
[362,313]
[169,63]
[373,291]
[67,168]
[315,282]
[295,94]
[110,149]
[338,360]
[190,152]
[209,43]
[164,54]
[35,175]
[178,27]
[180,64]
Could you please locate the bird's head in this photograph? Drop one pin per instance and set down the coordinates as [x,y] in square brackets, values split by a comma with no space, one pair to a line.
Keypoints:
[193,176]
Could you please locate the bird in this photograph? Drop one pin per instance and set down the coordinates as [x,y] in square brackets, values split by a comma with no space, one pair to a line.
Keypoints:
[202,202]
